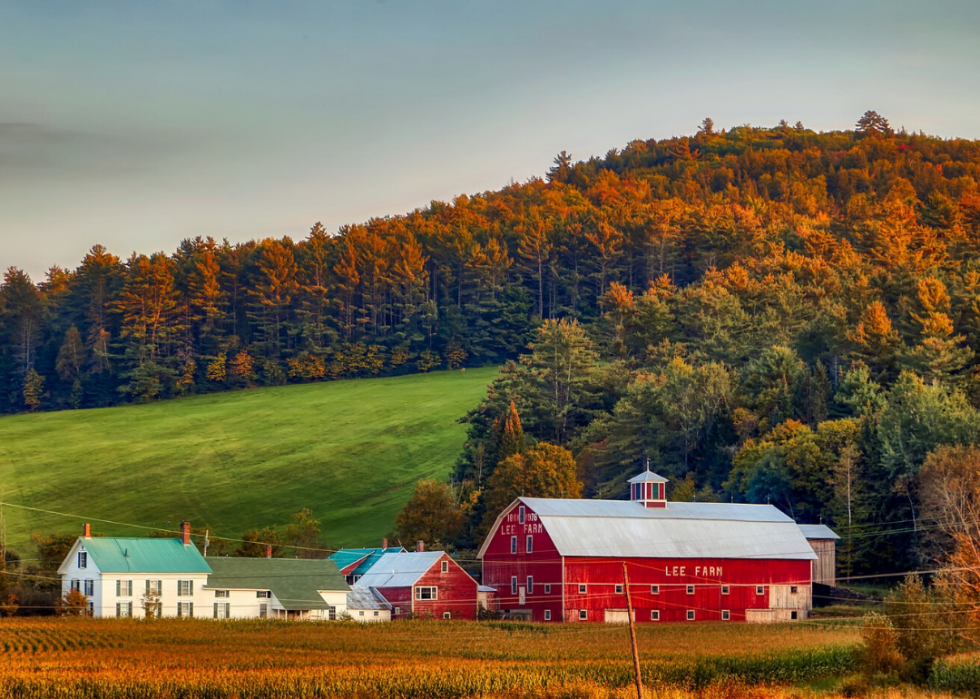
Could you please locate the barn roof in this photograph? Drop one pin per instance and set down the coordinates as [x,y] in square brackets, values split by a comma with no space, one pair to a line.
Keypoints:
[817,531]
[399,569]
[144,555]
[621,528]
[295,582]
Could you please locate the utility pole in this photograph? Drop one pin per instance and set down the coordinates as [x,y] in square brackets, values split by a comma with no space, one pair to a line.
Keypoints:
[636,653]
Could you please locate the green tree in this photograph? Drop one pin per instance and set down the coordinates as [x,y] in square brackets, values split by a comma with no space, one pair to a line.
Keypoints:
[431,515]
[303,535]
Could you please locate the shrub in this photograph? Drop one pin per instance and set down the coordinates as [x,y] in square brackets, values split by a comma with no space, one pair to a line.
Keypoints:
[879,657]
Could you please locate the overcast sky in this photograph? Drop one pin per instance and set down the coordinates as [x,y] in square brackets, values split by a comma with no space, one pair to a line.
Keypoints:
[136,124]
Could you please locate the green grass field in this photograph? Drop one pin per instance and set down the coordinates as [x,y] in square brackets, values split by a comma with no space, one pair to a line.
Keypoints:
[351,451]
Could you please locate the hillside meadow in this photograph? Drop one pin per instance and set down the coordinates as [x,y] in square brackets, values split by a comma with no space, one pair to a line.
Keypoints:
[351,451]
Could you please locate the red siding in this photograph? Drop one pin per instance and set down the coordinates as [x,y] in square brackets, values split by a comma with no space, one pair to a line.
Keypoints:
[602,575]
[456,594]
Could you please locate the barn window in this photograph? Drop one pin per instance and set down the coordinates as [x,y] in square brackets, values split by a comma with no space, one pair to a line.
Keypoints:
[655,589]
[547,615]
[726,615]
[690,589]
[513,584]
[445,566]
[530,543]
[547,589]
[619,589]
[582,589]
[447,615]
[583,615]
[654,615]
[513,544]
[530,584]
[82,559]
[760,590]
[794,615]
[725,589]
[427,593]
[793,589]
[690,615]
[520,514]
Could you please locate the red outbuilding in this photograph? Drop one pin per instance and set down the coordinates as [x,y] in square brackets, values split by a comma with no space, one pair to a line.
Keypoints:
[428,584]
[563,560]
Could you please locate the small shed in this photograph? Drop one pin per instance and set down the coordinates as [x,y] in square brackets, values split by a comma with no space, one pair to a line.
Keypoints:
[823,541]
[367,604]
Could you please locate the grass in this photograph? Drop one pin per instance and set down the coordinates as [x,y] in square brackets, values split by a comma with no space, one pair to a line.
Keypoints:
[109,658]
[351,451]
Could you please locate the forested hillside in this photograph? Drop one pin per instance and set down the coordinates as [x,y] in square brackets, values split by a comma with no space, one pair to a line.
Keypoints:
[767,314]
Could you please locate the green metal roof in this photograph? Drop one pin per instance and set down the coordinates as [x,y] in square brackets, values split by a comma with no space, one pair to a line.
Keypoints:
[365,558]
[117,555]
[294,581]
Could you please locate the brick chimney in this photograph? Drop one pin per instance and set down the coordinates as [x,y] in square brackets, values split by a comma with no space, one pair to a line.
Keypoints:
[268,550]
[88,531]
[384,543]
[185,533]
[420,546]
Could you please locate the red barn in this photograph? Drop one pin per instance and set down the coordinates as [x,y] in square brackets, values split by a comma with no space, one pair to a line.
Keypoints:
[562,560]
[428,584]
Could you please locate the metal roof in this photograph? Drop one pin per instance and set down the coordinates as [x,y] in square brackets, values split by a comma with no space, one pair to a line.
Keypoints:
[817,531]
[485,588]
[144,555]
[295,582]
[648,476]
[619,528]
[363,558]
[399,569]
[361,597]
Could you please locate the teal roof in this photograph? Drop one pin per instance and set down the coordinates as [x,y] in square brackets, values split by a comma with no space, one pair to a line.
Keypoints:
[117,555]
[367,558]
[294,581]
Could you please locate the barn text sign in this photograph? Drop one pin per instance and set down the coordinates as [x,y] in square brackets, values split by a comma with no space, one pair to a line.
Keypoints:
[699,571]
[511,524]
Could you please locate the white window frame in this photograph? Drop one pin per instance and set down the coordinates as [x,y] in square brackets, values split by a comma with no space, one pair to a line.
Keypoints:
[725,589]
[124,588]
[655,589]
[529,544]
[264,594]
[376,613]
[89,587]
[530,584]
[154,587]
[76,585]
[263,611]
[445,567]
[547,615]
[726,615]
[691,616]
[521,514]
[619,589]
[760,589]
[222,610]
[185,609]
[185,588]
[513,584]
[433,591]
[547,588]
[124,610]
[360,614]
[513,544]
[222,594]
[690,589]
[583,614]
[83,559]
[654,615]
[447,615]
[583,589]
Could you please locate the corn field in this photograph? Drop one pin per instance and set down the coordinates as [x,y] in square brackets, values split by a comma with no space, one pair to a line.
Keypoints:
[75,658]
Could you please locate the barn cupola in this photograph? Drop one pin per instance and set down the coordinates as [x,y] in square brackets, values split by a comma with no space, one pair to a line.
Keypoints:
[648,489]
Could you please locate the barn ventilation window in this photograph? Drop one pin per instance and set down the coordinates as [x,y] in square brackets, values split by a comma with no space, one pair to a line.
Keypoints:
[793,589]
[655,589]
[530,584]
[447,615]
[583,615]
[547,615]
[690,589]
[513,544]
[619,589]
[726,615]
[725,589]
[530,544]
[583,589]
[513,584]
[794,615]
[547,589]
[690,615]
[521,515]
[654,615]
[760,590]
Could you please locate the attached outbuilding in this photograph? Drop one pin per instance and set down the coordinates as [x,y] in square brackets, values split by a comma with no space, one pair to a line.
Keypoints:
[823,541]
[367,604]
[428,585]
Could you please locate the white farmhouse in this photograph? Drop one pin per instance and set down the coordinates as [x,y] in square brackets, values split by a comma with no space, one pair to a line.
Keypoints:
[119,576]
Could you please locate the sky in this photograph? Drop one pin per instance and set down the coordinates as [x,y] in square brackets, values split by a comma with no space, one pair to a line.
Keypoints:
[136,124]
